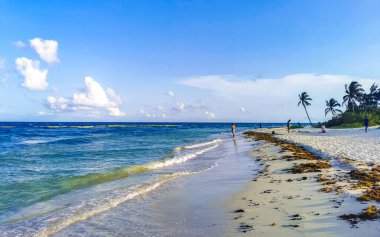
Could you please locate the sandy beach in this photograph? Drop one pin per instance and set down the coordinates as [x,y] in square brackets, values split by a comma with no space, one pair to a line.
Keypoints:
[280,201]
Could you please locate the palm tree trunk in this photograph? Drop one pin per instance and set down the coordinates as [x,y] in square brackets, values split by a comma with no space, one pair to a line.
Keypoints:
[308,115]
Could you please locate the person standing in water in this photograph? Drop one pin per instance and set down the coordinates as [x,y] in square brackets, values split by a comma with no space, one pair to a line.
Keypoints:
[366,123]
[233,129]
[288,125]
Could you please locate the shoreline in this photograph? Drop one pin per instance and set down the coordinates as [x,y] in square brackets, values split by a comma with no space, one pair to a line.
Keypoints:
[286,199]
[190,205]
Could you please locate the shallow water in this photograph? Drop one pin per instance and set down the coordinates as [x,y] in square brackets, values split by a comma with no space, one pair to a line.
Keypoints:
[55,175]
[191,205]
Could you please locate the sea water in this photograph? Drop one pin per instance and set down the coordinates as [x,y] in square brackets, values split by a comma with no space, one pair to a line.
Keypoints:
[55,175]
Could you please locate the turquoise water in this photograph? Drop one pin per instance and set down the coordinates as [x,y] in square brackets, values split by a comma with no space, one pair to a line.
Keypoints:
[56,174]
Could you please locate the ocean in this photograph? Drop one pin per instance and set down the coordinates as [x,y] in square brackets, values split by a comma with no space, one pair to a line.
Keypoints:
[55,175]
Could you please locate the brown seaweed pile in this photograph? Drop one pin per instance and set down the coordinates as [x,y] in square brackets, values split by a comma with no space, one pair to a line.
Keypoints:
[370,213]
[369,179]
[298,152]
[366,178]
[371,194]
[309,167]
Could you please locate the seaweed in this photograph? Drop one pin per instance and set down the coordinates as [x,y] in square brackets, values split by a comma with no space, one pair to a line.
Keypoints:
[298,152]
[373,176]
[309,167]
[371,194]
[370,213]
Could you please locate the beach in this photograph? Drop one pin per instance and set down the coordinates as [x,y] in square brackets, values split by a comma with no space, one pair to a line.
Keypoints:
[280,201]
[302,183]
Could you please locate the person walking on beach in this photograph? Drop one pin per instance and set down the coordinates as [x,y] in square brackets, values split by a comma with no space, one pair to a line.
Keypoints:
[366,123]
[233,130]
[288,125]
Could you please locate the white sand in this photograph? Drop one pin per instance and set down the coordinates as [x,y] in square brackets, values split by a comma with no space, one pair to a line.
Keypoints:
[354,143]
[273,206]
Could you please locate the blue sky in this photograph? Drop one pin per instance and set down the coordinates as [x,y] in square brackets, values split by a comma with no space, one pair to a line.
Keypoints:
[182,60]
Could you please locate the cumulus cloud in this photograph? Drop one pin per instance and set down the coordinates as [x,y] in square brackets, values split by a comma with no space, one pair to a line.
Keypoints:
[210,115]
[170,93]
[46,49]
[93,97]
[34,77]
[276,99]
[19,44]
[59,103]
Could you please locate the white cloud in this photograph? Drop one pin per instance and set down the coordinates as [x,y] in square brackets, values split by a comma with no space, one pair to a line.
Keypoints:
[59,103]
[170,93]
[34,77]
[94,97]
[42,113]
[180,107]
[46,49]
[243,110]
[210,115]
[94,114]
[115,112]
[276,98]
[160,108]
[152,115]
[19,44]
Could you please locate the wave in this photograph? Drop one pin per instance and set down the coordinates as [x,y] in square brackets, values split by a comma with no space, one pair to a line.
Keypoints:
[34,141]
[179,159]
[98,178]
[67,216]
[216,141]
[81,215]
[68,140]
[112,126]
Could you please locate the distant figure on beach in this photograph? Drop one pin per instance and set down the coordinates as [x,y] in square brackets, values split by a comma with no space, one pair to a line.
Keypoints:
[366,123]
[288,125]
[323,128]
[260,125]
[233,129]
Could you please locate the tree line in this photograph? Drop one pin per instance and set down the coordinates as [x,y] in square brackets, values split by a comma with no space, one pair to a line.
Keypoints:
[356,101]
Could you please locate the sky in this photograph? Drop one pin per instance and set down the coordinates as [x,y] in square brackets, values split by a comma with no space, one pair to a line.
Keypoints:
[182,60]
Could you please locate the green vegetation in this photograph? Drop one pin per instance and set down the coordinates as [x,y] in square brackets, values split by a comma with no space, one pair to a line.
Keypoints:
[358,105]
[296,127]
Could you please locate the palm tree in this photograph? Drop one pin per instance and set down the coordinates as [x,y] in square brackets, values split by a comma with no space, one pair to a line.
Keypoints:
[304,100]
[353,92]
[368,102]
[331,104]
